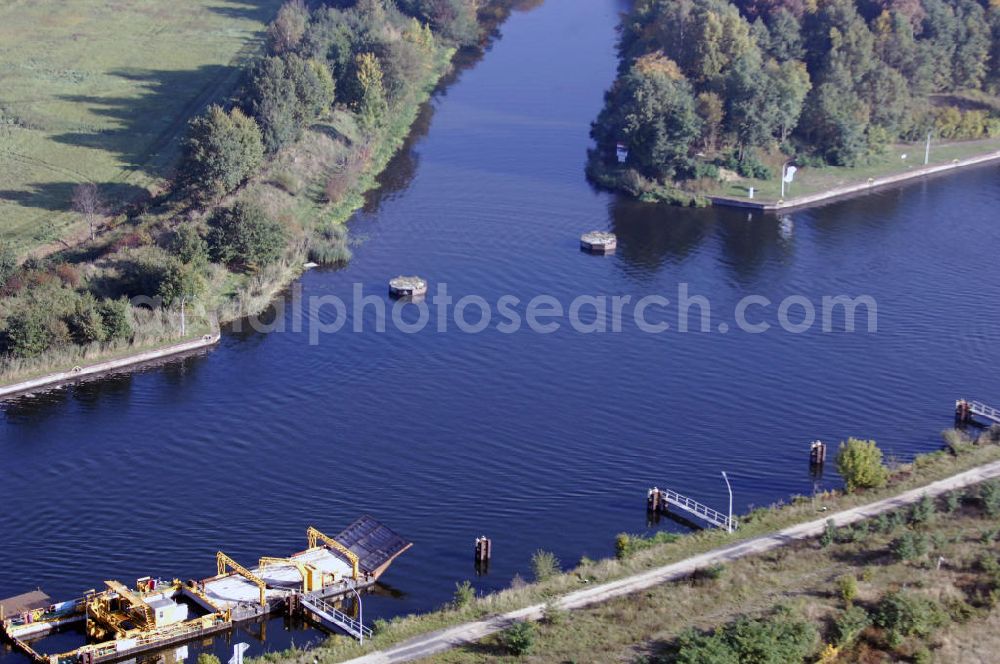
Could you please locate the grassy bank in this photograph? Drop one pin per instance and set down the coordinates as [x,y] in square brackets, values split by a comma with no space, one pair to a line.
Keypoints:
[922,471]
[808,180]
[155,331]
[101,92]
[818,180]
[837,587]
[308,187]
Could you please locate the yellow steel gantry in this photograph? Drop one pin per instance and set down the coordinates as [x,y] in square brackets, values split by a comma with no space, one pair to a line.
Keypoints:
[315,536]
[223,562]
[312,578]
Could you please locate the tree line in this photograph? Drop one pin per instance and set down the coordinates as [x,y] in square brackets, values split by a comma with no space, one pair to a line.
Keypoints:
[708,83]
[361,58]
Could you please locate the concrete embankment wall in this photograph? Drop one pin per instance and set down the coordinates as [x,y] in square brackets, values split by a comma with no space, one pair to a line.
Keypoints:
[99,368]
[853,189]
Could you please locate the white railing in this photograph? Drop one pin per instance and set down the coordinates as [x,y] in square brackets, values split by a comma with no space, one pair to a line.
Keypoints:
[338,618]
[979,408]
[714,517]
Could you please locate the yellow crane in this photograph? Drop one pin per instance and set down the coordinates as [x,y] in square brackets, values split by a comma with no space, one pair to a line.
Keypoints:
[316,536]
[312,578]
[141,612]
[224,562]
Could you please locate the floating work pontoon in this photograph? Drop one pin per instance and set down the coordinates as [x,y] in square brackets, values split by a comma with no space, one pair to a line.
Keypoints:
[123,621]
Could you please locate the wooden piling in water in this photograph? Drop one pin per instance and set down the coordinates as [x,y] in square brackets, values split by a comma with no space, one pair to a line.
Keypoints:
[817,453]
[963,412]
[654,502]
[484,550]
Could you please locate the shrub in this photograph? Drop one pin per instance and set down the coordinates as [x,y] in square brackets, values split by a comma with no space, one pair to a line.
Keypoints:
[923,512]
[464,594]
[989,494]
[849,625]
[883,524]
[329,247]
[626,545]
[455,20]
[181,284]
[380,626]
[953,501]
[86,323]
[285,94]
[8,263]
[222,151]
[117,318]
[518,639]
[829,535]
[372,105]
[544,565]
[847,587]
[286,31]
[910,546]
[902,614]
[781,639]
[188,245]
[956,441]
[859,462]
[29,333]
[243,235]
[208,658]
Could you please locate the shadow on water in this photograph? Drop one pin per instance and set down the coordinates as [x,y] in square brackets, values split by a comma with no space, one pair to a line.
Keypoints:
[38,406]
[90,394]
[650,235]
[752,242]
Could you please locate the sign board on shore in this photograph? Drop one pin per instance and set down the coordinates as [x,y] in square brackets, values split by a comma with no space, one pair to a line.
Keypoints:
[622,153]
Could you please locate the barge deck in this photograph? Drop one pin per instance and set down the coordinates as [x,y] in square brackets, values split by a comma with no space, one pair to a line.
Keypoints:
[123,622]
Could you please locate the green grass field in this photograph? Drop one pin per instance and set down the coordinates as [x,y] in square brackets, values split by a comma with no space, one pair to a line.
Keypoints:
[92,91]
[815,180]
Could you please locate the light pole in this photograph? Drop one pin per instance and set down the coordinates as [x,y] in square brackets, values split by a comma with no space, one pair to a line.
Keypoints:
[729,523]
[361,617]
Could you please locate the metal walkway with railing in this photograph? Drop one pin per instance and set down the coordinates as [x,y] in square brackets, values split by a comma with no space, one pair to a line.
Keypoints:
[333,618]
[984,411]
[660,498]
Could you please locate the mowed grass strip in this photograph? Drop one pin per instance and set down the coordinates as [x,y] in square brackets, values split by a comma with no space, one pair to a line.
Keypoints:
[96,91]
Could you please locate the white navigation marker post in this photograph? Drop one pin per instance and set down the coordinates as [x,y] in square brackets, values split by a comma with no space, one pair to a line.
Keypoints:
[927,150]
[787,175]
[729,523]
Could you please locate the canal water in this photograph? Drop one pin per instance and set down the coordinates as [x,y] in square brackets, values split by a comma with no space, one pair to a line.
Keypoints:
[541,441]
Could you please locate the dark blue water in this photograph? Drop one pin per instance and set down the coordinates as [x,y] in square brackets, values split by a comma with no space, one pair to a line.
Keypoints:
[538,440]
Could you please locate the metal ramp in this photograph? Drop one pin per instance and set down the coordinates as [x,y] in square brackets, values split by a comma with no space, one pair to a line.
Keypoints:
[375,544]
[660,498]
[334,619]
[984,411]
